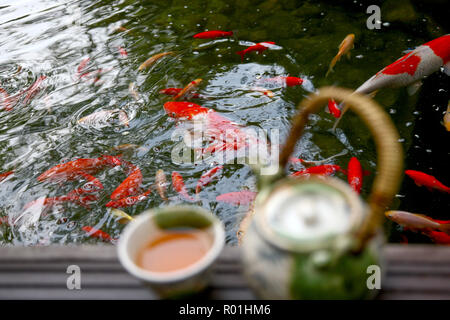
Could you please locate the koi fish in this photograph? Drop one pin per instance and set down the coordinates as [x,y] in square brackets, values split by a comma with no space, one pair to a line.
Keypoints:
[129,186]
[128,201]
[147,63]
[222,134]
[50,202]
[333,108]
[178,185]
[123,52]
[93,185]
[82,66]
[324,169]
[121,29]
[100,118]
[73,169]
[186,90]
[447,118]
[355,174]
[416,222]
[161,184]
[344,48]
[132,90]
[438,237]
[238,198]
[123,216]
[426,180]
[213,34]
[206,178]
[409,69]
[285,81]
[4,220]
[4,175]
[259,47]
[97,233]
[264,91]
[175,91]
[184,110]
[6,101]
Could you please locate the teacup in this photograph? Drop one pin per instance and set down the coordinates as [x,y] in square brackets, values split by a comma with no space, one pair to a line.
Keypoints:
[148,226]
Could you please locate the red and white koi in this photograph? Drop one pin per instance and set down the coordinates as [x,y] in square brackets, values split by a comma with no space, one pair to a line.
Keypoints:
[412,67]
[207,177]
[355,174]
[259,47]
[222,133]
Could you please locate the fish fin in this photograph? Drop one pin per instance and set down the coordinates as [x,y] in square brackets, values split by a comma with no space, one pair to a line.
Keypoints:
[447,68]
[332,64]
[242,54]
[349,55]
[412,89]
[407,51]
[430,189]
[372,94]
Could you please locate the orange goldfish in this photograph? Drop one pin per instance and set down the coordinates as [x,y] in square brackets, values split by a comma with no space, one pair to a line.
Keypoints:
[344,48]
[147,63]
[187,90]
[178,185]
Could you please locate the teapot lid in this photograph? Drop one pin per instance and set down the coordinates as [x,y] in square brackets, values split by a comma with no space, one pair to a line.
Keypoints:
[309,212]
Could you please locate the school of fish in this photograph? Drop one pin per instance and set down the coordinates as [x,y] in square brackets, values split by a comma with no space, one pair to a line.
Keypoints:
[410,68]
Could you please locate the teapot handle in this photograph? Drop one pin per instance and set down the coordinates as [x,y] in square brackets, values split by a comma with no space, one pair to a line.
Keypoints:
[390,153]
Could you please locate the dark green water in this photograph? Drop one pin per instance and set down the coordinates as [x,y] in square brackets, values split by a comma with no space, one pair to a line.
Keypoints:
[51,38]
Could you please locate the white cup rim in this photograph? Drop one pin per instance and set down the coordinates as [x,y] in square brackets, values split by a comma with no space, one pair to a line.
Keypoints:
[177,275]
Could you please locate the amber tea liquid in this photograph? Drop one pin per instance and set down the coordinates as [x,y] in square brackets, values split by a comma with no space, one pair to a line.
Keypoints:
[174,249]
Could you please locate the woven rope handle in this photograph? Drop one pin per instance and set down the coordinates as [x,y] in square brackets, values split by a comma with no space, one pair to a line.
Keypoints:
[389,151]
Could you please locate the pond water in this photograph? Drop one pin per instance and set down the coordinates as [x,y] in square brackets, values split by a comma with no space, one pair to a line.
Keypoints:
[51,38]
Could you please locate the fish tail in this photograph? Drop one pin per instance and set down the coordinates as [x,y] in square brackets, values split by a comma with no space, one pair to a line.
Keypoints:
[344,108]
[241,53]
[332,64]
[445,227]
